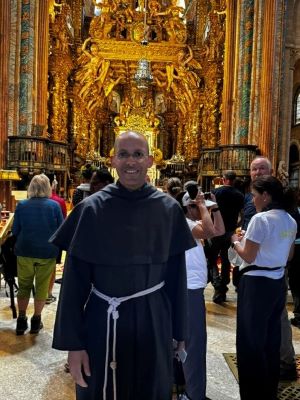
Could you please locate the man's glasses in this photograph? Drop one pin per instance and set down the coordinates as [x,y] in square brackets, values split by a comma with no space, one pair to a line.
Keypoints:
[136,155]
[193,205]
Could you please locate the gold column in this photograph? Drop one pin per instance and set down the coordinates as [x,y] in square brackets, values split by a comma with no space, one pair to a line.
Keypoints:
[266,93]
[41,64]
[229,63]
[4,70]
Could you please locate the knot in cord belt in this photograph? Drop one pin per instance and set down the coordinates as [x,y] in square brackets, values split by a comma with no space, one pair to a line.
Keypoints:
[112,311]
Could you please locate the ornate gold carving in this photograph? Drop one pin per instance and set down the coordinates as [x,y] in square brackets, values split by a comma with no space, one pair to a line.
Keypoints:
[187,80]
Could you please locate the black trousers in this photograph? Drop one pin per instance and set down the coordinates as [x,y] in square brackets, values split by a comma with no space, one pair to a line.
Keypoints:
[294,280]
[219,245]
[260,304]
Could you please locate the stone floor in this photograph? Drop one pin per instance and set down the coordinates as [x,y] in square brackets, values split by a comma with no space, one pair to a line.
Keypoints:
[31,370]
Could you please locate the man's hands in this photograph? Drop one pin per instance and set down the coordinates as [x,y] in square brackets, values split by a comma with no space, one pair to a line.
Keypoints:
[78,361]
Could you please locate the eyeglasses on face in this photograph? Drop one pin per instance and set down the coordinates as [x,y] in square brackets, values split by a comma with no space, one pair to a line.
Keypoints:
[136,155]
[193,205]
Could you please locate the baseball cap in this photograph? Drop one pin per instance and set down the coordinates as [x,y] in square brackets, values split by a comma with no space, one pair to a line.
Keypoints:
[190,183]
[186,200]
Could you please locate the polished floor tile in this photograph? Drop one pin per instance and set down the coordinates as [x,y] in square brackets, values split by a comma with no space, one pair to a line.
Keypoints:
[31,369]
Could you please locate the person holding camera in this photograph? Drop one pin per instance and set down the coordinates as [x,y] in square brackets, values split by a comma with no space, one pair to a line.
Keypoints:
[231,202]
[199,220]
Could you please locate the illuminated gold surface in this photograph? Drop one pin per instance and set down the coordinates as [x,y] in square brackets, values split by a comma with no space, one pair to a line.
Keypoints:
[105,63]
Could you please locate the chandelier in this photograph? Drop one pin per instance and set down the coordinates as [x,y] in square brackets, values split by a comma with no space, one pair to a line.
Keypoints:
[143,77]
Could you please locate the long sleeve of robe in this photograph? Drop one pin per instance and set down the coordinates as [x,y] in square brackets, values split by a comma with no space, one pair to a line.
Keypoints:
[123,242]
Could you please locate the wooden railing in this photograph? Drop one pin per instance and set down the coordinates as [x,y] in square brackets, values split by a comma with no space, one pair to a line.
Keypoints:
[37,154]
[213,162]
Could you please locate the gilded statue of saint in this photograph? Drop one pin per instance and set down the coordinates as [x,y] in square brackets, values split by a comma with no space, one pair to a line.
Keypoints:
[174,24]
[110,83]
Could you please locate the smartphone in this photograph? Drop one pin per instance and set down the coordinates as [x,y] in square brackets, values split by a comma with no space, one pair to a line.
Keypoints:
[192,191]
[207,195]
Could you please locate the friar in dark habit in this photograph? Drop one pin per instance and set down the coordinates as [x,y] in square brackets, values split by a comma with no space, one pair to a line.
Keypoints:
[123,296]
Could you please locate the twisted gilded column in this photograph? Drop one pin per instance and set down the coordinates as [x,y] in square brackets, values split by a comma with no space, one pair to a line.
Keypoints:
[41,65]
[266,92]
[270,79]
[229,62]
[4,70]
[244,68]
[26,67]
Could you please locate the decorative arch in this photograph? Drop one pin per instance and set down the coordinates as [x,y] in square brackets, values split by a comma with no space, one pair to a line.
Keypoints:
[294,164]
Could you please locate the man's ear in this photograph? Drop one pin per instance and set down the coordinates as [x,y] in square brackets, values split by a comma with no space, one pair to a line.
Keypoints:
[113,161]
[150,161]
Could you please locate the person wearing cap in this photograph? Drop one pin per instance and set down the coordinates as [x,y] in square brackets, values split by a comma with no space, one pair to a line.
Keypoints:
[202,227]
[231,202]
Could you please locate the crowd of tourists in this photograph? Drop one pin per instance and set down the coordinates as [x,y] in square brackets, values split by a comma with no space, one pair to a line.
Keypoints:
[137,264]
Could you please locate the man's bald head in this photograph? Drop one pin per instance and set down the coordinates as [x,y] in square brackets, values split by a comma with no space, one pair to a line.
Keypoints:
[130,134]
[131,159]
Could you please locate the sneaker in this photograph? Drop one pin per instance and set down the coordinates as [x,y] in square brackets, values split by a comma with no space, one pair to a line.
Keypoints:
[50,299]
[22,325]
[36,324]
[219,297]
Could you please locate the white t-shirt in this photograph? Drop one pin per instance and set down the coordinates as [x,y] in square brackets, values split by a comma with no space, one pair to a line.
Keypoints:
[275,231]
[196,267]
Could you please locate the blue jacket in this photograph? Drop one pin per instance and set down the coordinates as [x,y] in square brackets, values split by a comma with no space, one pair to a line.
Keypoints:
[35,221]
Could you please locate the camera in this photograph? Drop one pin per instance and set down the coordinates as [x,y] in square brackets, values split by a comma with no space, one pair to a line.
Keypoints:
[192,191]
[207,195]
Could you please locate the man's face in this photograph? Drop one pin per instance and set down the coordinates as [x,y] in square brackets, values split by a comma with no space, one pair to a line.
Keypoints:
[132,161]
[259,167]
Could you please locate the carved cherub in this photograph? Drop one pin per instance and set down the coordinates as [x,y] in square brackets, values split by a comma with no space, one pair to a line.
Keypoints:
[174,23]
[52,12]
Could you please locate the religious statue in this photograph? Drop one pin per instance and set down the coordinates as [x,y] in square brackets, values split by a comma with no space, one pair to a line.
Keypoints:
[282,173]
[101,25]
[115,100]
[52,12]
[125,108]
[174,24]
[110,83]
[62,43]
[154,7]
[160,105]
[94,71]
[181,78]
[123,16]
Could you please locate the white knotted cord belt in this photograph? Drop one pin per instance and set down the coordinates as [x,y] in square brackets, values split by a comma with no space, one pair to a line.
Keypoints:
[112,311]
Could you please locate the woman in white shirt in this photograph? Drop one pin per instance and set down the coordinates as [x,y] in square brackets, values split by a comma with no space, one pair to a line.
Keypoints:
[261,292]
[202,227]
